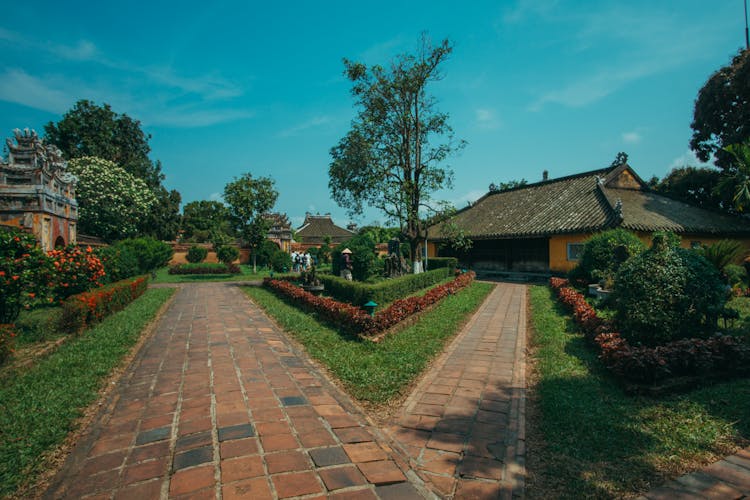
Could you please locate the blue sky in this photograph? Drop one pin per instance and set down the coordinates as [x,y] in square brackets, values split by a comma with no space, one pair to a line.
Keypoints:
[232,87]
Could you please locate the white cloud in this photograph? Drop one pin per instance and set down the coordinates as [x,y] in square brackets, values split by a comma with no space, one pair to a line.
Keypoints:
[631,137]
[314,122]
[486,119]
[21,88]
[469,197]
[216,197]
[688,159]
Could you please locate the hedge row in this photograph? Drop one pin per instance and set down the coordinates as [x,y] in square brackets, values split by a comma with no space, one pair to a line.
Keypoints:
[720,355]
[357,321]
[438,262]
[87,308]
[358,293]
[204,268]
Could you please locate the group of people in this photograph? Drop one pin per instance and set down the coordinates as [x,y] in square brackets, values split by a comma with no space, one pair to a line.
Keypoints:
[301,261]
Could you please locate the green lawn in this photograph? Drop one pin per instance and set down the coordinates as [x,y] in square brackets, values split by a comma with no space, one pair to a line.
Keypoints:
[586,438]
[376,373]
[246,274]
[39,405]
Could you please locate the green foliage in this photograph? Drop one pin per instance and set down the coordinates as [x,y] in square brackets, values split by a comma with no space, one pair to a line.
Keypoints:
[41,405]
[667,293]
[440,262]
[697,186]
[113,203]
[722,112]
[735,275]
[249,199]
[38,324]
[119,261]
[24,270]
[205,268]
[196,254]
[357,293]
[737,180]
[722,253]
[150,254]
[507,186]
[364,257]
[7,341]
[266,250]
[395,169]
[604,253]
[163,220]
[379,234]
[281,262]
[227,254]
[74,271]
[200,218]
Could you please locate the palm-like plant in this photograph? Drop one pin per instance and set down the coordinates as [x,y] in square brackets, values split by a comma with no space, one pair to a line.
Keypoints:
[740,181]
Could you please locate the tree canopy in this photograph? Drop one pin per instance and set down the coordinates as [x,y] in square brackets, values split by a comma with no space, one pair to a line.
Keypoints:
[694,185]
[199,218]
[112,203]
[248,199]
[392,158]
[722,111]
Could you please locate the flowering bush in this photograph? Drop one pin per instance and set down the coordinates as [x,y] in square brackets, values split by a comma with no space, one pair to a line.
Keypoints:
[75,271]
[22,266]
[84,309]
[719,354]
[355,319]
[7,339]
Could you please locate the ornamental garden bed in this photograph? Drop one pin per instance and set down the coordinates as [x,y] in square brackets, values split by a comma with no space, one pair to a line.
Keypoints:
[205,268]
[671,366]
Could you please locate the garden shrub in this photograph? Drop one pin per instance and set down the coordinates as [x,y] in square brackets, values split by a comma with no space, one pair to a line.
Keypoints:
[151,254]
[7,340]
[667,293]
[281,262]
[358,293]
[74,271]
[438,262]
[205,268]
[196,254]
[735,275]
[24,273]
[364,257]
[605,252]
[227,254]
[38,324]
[265,252]
[82,310]
[119,262]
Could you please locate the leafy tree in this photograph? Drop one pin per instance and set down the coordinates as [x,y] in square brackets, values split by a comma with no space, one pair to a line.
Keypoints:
[92,130]
[697,186]
[605,252]
[163,221]
[112,204]
[199,218]
[248,199]
[379,234]
[722,111]
[736,182]
[390,159]
[505,186]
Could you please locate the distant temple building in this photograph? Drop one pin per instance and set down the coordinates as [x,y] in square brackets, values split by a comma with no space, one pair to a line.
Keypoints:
[280,231]
[317,228]
[37,194]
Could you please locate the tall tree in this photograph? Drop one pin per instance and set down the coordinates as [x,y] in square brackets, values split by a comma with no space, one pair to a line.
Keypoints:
[199,218]
[697,186]
[722,112]
[248,200]
[738,184]
[92,130]
[392,158]
[163,221]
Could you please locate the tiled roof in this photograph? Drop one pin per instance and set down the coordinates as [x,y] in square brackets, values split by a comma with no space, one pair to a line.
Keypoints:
[587,202]
[317,227]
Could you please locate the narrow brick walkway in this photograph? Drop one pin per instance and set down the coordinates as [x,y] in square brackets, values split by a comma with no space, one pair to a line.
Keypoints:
[727,479]
[218,404]
[463,428]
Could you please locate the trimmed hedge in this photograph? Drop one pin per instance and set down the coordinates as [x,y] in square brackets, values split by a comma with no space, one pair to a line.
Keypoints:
[354,319]
[358,293]
[719,355]
[205,268]
[440,262]
[196,254]
[84,309]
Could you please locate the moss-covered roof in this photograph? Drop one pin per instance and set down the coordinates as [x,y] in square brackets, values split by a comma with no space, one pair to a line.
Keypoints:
[316,227]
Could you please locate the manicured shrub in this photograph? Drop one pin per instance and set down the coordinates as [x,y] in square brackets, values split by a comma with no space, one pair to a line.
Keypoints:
[736,276]
[604,252]
[205,268]
[364,257]
[265,252]
[74,271]
[196,254]
[7,340]
[119,263]
[38,324]
[667,293]
[24,273]
[438,262]
[281,262]
[151,254]
[82,310]
[227,254]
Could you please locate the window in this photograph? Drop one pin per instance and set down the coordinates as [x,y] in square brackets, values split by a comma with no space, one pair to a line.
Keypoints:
[574,251]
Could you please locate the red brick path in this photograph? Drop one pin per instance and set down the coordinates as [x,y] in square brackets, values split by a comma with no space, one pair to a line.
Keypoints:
[463,428]
[218,404]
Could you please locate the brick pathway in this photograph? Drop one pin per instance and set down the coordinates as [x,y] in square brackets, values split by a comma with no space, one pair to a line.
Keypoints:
[463,427]
[218,404]
[727,479]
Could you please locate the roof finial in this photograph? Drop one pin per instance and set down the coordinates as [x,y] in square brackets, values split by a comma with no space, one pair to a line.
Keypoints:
[618,207]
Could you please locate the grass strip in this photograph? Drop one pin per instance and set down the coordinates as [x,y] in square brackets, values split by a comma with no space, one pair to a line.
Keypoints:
[39,407]
[246,274]
[590,439]
[376,372]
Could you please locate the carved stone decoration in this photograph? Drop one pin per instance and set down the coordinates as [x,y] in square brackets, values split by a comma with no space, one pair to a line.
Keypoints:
[37,193]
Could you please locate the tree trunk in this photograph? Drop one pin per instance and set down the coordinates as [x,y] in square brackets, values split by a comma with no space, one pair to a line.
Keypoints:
[255,258]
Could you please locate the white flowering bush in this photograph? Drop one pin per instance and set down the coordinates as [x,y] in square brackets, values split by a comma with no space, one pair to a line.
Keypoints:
[112,203]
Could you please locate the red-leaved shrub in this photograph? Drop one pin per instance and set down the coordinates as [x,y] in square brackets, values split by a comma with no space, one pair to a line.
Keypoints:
[87,308]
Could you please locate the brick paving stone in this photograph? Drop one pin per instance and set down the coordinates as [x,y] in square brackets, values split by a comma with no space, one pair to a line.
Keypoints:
[324,457]
[339,421]
[382,472]
[271,428]
[363,494]
[145,470]
[188,481]
[277,442]
[236,432]
[103,463]
[150,489]
[193,457]
[365,452]
[296,484]
[193,441]
[477,489]
[235,469]
[250,489]
[286,461]
[402,491]
[238,448]
[353,435]
[346,476]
